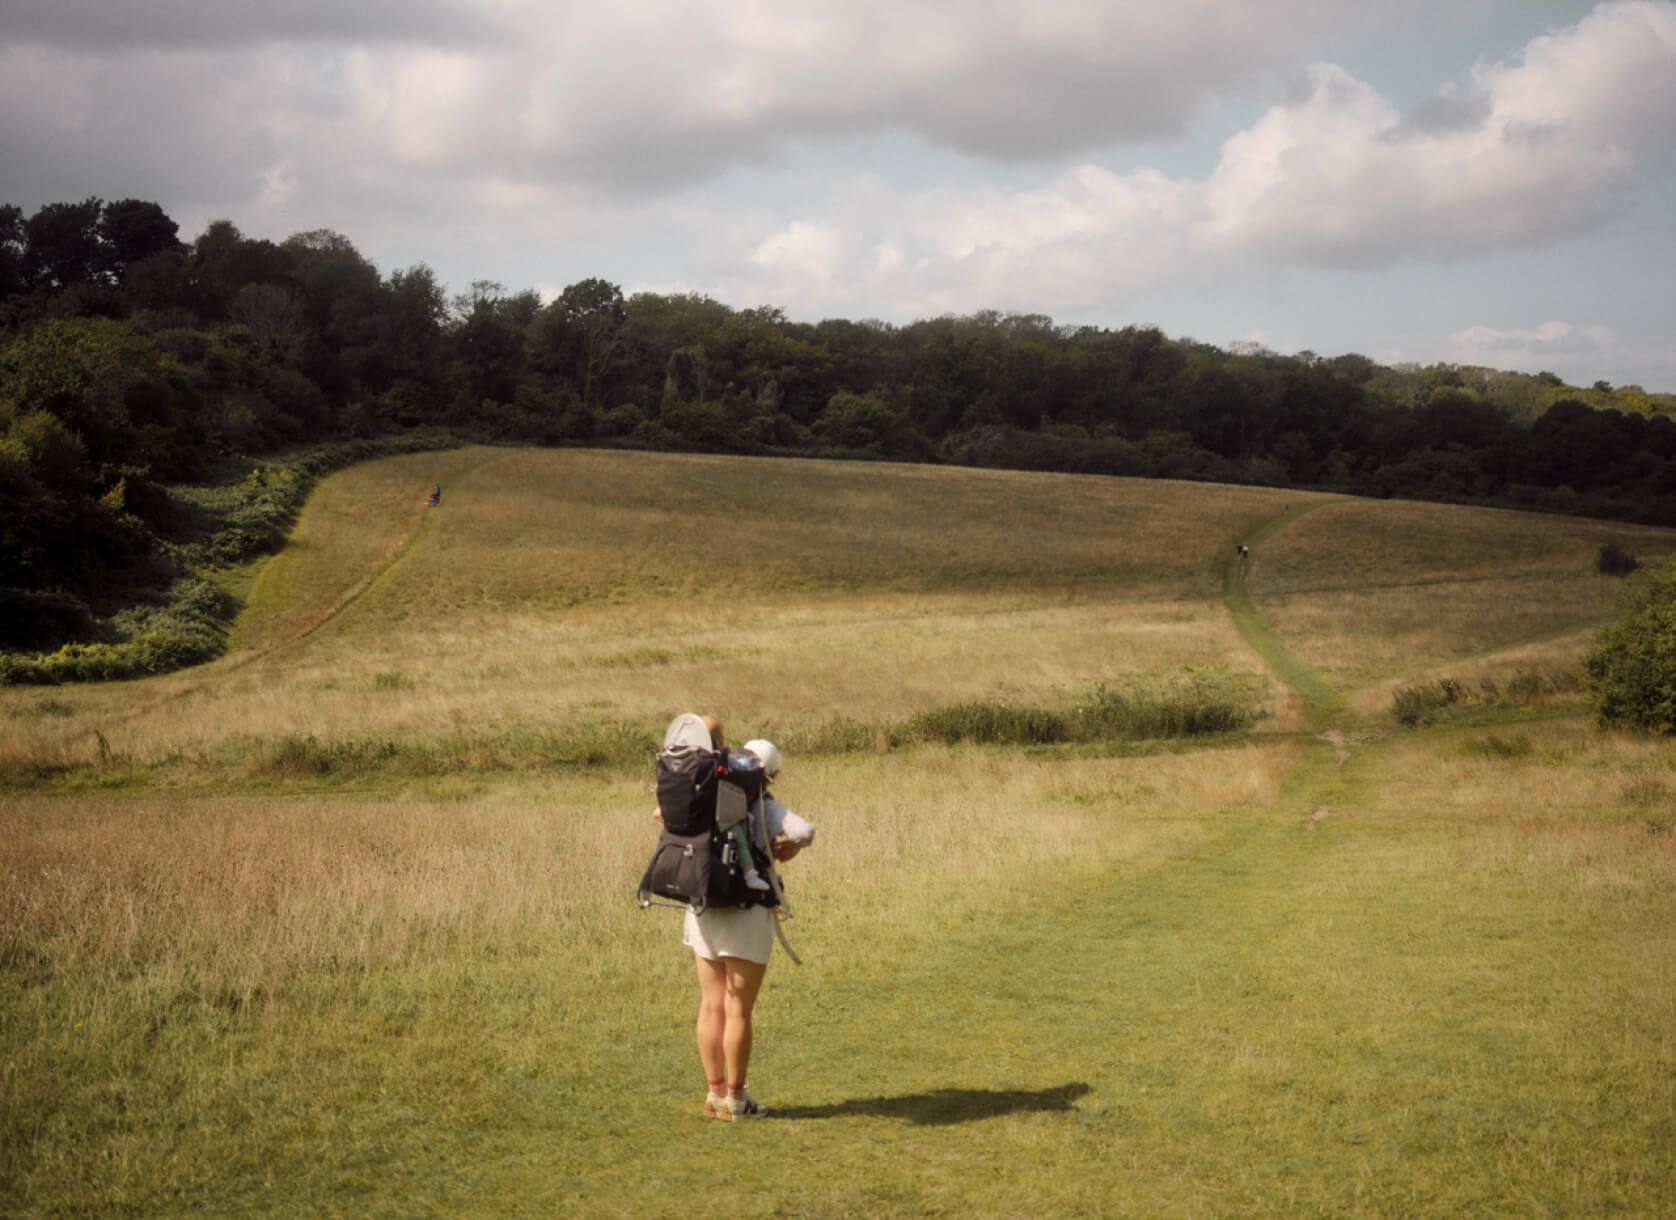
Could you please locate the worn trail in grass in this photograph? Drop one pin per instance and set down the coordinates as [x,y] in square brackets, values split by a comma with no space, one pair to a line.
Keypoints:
[1323,705]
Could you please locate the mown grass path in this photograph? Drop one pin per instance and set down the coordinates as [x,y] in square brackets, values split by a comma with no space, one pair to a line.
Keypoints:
[1323,706]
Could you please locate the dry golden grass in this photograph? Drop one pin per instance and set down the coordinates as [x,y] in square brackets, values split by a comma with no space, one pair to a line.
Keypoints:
[1563,772]
[247,894]
[871,663]
[555,530]
[1558,656]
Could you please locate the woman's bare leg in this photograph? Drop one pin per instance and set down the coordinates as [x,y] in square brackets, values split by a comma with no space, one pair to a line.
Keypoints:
[744,980]
[712,1018]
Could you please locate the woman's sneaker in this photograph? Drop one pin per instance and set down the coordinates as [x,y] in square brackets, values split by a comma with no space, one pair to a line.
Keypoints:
[745,1106]
[715,1106]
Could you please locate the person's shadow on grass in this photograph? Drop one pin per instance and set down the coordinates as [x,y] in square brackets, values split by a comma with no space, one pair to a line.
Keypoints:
[943,1106]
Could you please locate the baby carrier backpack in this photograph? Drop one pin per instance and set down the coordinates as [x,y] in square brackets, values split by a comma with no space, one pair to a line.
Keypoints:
[702,794]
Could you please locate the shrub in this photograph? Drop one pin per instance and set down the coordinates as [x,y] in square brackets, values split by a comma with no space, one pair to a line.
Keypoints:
[186,630]
[1613,560]
[1631,670]
[840,735]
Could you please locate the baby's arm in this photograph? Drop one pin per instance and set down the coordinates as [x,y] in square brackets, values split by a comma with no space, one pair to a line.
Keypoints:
[784,824]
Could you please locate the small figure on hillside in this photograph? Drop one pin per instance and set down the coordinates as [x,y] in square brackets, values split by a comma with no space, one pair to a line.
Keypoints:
[436,495]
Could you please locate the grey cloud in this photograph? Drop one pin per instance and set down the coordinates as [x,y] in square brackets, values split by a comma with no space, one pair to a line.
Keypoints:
[1027,110]
[1446,113]
[646,163]
[122,160]
[1049,112]
[110,25]
[1533,136]
[135,131]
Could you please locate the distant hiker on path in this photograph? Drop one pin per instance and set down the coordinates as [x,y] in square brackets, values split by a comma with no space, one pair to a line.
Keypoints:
[436,495]
[731,947]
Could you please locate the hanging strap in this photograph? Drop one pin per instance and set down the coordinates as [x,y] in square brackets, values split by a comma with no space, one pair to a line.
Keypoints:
[782,909]
[785,944]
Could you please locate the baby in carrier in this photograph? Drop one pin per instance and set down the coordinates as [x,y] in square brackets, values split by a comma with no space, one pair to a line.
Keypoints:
[778,821]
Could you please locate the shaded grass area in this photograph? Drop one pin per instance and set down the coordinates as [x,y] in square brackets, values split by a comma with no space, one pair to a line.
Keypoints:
[170,609]
[1371,591]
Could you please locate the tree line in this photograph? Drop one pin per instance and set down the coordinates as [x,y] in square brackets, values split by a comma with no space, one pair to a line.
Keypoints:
[132,361]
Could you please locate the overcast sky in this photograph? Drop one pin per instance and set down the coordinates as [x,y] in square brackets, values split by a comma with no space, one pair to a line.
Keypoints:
[1479,181]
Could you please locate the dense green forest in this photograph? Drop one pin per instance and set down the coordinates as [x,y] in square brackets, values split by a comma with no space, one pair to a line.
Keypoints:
[163,405]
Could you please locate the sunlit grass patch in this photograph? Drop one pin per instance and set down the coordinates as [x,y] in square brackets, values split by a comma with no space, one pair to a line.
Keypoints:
[1367,589]
[1364,544]
[1239,1006]
[572,528]
[355,524]
[871,661]
[1563,770]
[1362,636]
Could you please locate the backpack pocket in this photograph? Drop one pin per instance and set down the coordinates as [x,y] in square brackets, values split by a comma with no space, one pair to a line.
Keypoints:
[681,869]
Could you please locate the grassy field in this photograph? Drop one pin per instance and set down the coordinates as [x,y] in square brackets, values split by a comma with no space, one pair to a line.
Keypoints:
[343,924]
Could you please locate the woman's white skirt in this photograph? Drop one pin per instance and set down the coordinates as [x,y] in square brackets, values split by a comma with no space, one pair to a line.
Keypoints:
[744,932]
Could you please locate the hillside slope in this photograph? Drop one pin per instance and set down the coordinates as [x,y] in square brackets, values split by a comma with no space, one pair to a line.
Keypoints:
[554,587]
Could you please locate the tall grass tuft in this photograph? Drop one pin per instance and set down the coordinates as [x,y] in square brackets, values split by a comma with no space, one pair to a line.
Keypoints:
[982,723]
[1498,748]
[1197,705]
[1426,702]
[496,748]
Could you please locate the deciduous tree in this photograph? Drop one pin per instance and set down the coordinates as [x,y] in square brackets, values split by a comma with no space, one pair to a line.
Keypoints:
[1631,669]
